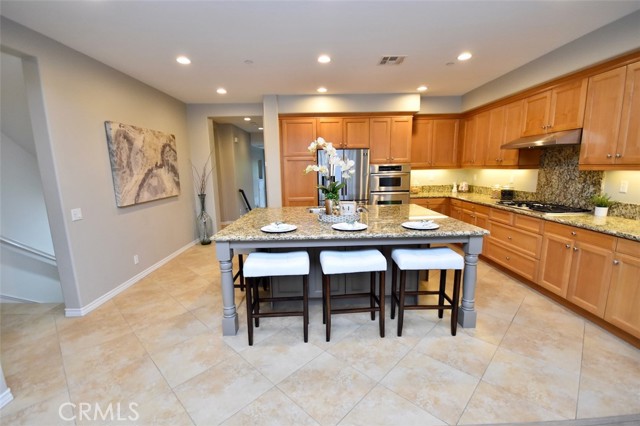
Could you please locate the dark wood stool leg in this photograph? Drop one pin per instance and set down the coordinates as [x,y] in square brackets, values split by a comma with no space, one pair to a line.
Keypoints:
[249,311]
[327,305]
[305,306]
[454,303]
[443,286]
[372,295]
[403,279]
[241,266]
[256,299]
[394,273]
[381,277]
[324,301]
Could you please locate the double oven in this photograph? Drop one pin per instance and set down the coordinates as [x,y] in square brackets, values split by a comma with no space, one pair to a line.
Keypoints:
[389,183]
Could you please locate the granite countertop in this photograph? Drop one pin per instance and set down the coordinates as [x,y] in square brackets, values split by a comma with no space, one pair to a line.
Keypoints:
[382,222]
[611,225]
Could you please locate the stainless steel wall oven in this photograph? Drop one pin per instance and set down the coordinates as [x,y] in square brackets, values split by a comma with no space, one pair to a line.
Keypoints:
[390,183]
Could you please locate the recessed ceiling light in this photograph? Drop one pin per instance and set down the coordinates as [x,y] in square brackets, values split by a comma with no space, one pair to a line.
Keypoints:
[464,56]
[183,60]
[422,89]
[322,90]
[260,128]
[221,91]
[247,119]
[324,59]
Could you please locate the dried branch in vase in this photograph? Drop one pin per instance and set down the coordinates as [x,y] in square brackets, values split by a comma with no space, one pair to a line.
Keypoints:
[201,177]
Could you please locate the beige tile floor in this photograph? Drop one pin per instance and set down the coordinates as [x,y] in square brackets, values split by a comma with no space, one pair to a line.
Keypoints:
[157,353]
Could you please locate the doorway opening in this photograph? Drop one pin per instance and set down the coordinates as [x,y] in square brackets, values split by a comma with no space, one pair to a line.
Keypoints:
[238,145]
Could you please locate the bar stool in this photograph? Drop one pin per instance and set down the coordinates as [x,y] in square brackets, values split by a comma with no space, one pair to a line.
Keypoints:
[260,265]
[349,262]
[441,258]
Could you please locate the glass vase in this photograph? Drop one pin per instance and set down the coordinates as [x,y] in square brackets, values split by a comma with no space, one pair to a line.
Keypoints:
[205,224]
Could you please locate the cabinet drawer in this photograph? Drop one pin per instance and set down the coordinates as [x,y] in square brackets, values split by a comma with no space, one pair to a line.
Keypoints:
[502,216]
[528,223]
[522,241]
[520,264]
[424,202]
[628,247]
[456,203]
[581,235]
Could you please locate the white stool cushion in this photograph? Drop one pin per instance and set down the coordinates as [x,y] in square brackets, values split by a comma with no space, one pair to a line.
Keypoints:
[424,259]
[352,261]
[262,264]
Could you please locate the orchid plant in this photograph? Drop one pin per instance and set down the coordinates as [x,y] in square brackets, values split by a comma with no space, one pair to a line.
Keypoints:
[332,190]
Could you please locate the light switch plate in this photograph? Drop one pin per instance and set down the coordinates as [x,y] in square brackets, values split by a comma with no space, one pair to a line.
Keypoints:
[624,186]
[76,214]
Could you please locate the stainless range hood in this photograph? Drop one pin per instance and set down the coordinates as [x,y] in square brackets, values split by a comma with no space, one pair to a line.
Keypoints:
[568,137]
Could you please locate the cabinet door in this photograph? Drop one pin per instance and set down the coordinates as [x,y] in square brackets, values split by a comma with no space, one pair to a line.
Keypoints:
[567,106]
[476,144]
[590,275]
[536,114]
[444,143]
[624,294]
[555,265]
[296,135]
[629,137]
[356,132]
[330,129]
[400,142]
[468,145]
[602,117]
[421,139]
[512,131]
[379,139]
[298,188]
[496,137]
[440,205]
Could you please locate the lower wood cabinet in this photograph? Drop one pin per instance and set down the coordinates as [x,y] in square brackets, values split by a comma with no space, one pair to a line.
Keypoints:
[577,265]
[440,205]
[622,308]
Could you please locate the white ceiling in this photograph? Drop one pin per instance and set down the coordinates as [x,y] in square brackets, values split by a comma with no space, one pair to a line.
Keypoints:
[284,38]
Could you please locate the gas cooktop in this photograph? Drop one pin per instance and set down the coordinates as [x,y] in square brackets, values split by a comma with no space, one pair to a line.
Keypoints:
[541,207]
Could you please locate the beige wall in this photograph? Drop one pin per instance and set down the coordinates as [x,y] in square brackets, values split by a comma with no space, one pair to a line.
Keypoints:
[76,96]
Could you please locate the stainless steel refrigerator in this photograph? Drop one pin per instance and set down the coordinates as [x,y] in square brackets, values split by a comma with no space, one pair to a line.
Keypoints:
[357,188]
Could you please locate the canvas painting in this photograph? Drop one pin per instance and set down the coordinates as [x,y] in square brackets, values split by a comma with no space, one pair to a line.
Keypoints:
[144,164]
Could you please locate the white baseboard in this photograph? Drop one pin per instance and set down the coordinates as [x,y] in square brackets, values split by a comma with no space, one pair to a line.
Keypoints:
[79,312]
[6,397]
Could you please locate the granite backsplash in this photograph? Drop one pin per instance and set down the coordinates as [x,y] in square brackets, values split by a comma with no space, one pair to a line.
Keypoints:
[560,182]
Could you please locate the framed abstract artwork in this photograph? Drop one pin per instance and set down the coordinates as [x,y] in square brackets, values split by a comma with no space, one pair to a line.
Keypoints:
[144,164]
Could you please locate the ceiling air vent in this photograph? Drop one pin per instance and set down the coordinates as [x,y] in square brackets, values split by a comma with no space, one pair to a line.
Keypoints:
[392,60]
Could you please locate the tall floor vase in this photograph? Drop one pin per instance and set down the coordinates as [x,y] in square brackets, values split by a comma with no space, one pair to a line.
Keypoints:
[205,224]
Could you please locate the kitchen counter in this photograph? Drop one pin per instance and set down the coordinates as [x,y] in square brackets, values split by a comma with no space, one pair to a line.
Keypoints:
[616,226]
[384,231]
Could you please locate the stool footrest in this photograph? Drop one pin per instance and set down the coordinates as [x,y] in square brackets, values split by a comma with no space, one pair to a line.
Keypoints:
[354,310]
[350,295]
[281,299]
[278,314]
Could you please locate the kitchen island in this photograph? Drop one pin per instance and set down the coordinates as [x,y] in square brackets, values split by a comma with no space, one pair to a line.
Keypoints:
[384,228]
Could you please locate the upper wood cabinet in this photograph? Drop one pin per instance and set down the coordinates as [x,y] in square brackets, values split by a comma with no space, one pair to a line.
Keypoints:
[295,136]
[330,129]
[298,188]
[505,125]
[390,139]
[344,132]
[434,143]
[560,108]
[355,132]
[476,137]
[611,134]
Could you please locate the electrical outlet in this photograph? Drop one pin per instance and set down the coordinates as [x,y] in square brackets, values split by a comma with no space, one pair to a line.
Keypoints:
[76,214]
[136,260]
[624,186]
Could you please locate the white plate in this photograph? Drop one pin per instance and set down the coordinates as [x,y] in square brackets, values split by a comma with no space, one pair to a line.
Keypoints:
[279,227]
[421,226]
[356,226]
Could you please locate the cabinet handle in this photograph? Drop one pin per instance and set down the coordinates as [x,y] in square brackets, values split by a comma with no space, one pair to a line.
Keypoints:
[609,156]
[507,257]
[568,246]
[618,155]
[575,249]
[616,262]
[509,238]
[574,233]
